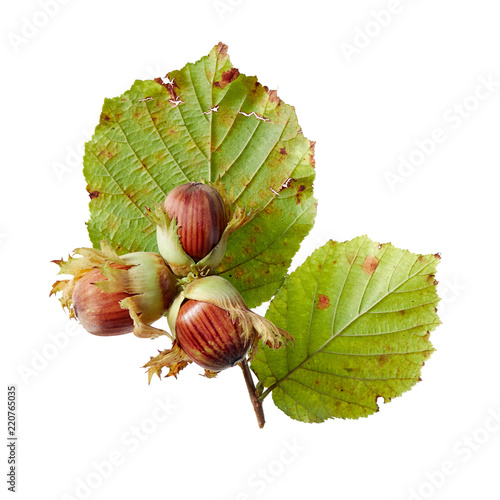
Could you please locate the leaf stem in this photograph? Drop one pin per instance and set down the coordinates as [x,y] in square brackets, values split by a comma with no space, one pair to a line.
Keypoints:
[267,392]
[257,405]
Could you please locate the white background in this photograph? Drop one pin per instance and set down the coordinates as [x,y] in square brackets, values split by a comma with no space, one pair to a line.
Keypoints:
[365,100]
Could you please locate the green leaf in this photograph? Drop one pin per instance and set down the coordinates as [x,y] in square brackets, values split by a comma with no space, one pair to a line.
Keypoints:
[208,122]
[360,314]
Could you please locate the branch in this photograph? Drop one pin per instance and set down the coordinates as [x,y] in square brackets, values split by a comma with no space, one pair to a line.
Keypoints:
[257,405]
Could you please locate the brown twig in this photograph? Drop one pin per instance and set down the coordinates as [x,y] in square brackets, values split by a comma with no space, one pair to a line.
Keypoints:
[257,405]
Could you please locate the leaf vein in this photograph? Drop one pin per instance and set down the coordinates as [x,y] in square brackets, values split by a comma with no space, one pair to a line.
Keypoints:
[164,144]
[270,244]
[114,180]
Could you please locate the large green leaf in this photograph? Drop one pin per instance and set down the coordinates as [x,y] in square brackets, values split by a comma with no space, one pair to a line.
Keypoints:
[360,314]
[210,122]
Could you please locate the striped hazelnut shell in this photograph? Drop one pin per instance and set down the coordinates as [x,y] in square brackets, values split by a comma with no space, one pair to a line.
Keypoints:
[209,337]
[201,217]
[99,312]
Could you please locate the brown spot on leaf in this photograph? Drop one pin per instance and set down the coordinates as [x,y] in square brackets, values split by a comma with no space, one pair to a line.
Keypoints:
[312,161]
[323,302]
[160,82]
[94,194]
[273,96]
[300,190]
[221,49]
[227,77]
[283,151]
[160,104]
[382,359]
[106,154]
[170,86]
[370,264]
[287,183]
[437,256]
[239,272]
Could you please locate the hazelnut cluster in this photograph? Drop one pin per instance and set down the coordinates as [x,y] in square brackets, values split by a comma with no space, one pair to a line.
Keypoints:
[209,322]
